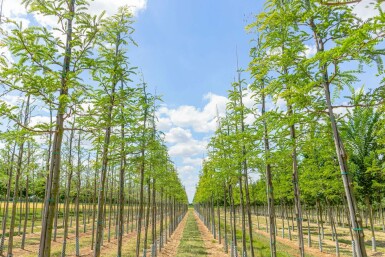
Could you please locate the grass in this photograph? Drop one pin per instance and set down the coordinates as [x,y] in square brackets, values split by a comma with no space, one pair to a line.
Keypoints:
[32,240]
[261,243]
[191,243]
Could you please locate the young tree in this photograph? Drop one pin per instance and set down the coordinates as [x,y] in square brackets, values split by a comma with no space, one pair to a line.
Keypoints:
[112,68]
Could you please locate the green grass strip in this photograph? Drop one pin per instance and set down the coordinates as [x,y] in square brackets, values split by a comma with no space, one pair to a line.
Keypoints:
[191,243]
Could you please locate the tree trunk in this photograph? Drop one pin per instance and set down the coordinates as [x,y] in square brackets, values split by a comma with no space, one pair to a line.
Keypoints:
[297,198]
[94,200]
[77,228]
[121,189]
[355,218]
[67,200]
[105,155]
[17,180]
[142,169]
[370,212]
[26,198]
[269,183]
[6,208]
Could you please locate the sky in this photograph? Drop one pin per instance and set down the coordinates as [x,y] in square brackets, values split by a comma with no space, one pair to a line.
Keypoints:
[187,51]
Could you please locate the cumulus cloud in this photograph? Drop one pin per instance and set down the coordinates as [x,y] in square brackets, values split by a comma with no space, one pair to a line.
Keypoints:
[196,162]
[310,50]
[187,116]
[187,129]
[176,135]
[367,9]
[186,169]
[164,123]
[111,7]
[37,120]
[12,100]
[192,147]
[15,10]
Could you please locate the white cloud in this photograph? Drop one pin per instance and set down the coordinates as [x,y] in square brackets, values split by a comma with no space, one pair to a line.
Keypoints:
[192,147]
[248,99]
[310,50]
[189,128]
[16,11]
[186,170]
[37,120]
[178,134]
[12,100]
[196,162]
[181,125]
[13,8]
[341,111]
[40,139]
[367,9]
[47,21]
[111,7]
[187,116]
[164,124]
[281,104]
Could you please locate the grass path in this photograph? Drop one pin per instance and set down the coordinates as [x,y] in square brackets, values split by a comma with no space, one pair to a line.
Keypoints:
[191,243]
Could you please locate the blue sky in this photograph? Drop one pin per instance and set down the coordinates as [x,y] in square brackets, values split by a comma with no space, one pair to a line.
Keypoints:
[188,48]
[187,51]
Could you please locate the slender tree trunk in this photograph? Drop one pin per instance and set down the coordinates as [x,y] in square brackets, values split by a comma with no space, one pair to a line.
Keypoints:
[161,220]
[234,225]
[6,208]
[370,212]
[56,218]
[355,218]
[110,211]
[105,153]
[67,200]
[219,223]
[147,217]
[243,216]
[77,228]
[121,187]
[94,200]
[34,207]
[269,183]
[225,218]
[54,175]
[297,198]
[17,180]
[142,169]
[153,222]
[245,167]
[26,198]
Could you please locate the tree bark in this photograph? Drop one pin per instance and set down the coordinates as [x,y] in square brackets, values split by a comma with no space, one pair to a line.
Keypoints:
[54,174]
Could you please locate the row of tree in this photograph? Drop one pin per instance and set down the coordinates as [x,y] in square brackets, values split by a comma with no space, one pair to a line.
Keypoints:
[81,141]
[303,148]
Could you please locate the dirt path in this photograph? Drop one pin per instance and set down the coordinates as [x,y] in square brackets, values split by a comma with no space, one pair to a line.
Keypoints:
[172,245]
[212,247]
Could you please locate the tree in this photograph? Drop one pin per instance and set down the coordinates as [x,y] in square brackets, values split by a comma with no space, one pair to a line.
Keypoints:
[360,131]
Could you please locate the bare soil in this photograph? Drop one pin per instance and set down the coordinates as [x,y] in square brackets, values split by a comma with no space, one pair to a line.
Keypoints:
[171,248]
[213,248]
